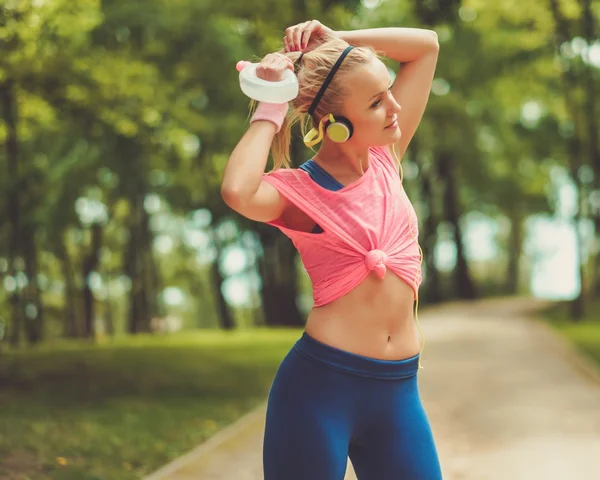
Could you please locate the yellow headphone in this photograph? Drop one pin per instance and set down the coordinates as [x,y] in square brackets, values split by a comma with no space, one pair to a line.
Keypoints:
[339,129]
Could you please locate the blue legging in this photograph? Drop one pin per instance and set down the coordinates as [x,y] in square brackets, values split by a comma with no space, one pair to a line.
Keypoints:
[326,404]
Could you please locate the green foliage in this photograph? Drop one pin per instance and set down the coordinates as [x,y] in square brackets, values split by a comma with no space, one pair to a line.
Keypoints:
[584,334]
[122,409]
[119,101]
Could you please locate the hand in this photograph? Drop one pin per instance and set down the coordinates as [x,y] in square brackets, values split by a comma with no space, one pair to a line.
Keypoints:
[302,35]
[273,67]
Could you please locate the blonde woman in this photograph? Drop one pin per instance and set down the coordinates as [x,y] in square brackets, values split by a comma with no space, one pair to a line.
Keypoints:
[349,385]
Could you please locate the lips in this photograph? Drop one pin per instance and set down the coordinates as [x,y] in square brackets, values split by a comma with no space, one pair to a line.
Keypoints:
[393,124]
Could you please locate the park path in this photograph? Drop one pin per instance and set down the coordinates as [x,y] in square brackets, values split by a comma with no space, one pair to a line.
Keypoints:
[506,397]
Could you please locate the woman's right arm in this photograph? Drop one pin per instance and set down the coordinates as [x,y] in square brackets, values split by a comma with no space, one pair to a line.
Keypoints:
[243,188]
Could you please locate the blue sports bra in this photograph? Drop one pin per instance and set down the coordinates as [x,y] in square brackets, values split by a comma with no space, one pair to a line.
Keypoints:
[322,178]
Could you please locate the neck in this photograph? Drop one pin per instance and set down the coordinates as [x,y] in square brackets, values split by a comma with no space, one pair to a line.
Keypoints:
[343,157]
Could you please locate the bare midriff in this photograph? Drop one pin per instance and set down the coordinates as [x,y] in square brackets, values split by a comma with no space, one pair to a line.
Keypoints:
[374,320]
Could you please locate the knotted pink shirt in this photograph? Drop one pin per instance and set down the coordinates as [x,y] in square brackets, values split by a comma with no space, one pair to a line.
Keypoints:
[368,226]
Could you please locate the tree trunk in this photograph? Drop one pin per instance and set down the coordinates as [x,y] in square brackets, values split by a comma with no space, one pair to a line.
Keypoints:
[138,267]
[90,265]
[70,326]
[596,261]
[590,34]
[149,294]
[434,290]
[134,270]
[109,322]
[515,246]
[279,279]
[433,287]
[226,320]
[152,280]
[131,271]
[202,290]
[570,84]
[34,311]
[465,288]
[578,304]
[10,116]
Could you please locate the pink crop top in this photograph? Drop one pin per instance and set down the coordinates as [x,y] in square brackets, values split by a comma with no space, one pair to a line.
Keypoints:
[368,226]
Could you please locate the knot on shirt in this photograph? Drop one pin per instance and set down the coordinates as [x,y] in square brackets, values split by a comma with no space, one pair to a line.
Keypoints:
[375,261]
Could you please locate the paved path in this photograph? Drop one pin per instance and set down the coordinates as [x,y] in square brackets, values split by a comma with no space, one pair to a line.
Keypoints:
[507,400]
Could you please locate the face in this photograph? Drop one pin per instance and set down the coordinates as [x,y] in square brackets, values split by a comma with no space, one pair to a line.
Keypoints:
[371,107]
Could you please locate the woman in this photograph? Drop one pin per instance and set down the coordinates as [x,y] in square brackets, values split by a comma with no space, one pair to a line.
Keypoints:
[349,385]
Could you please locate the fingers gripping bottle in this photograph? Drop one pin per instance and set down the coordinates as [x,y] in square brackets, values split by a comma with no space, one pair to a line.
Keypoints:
[261,90]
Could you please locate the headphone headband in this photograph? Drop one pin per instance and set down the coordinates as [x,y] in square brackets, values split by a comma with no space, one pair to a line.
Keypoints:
[315,102]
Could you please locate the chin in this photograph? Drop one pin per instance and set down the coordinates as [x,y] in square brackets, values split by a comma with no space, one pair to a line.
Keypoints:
[391,137]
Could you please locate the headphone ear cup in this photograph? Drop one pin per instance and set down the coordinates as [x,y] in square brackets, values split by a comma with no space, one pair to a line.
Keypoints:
[339,131]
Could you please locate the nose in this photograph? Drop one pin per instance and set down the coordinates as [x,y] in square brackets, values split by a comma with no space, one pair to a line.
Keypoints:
[395,106]
[394,111]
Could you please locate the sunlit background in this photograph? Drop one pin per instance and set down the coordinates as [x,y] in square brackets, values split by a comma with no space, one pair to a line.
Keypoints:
[142,161]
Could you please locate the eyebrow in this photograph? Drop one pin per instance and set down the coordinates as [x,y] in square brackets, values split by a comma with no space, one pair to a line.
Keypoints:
[377,94]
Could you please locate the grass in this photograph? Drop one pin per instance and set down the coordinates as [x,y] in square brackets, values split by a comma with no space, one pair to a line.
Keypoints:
[120,410]
[584,334]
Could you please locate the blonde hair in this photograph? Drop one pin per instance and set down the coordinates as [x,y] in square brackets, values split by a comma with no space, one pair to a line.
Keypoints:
[312,70]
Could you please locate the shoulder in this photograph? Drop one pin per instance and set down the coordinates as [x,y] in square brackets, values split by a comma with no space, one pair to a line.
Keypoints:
[383,156]
[288,181]
[284,175]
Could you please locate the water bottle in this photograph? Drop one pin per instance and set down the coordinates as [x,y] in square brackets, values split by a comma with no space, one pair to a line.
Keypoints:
[264,91]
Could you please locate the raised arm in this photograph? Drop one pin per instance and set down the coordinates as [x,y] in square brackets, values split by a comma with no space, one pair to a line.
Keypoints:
[417,52]
[243,187]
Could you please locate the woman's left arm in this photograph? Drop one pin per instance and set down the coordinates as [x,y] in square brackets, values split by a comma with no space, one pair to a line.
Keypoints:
[417,51]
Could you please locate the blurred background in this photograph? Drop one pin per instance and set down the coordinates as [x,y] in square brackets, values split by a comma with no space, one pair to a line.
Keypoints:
[128,289]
